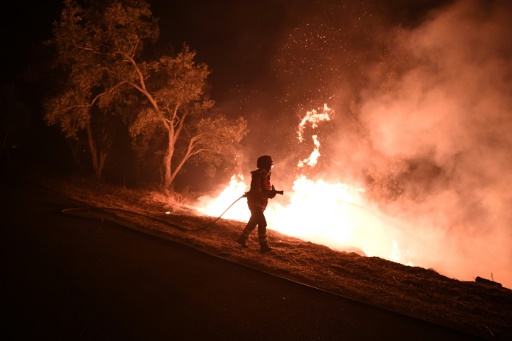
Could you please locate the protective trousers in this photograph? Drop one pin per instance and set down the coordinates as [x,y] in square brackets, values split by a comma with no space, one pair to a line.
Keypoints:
[257,218]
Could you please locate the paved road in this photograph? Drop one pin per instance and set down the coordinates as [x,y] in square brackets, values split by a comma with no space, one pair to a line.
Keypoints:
[66,278]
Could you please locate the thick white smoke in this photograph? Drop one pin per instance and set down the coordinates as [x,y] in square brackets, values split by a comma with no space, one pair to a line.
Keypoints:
[452,109]
[421,111]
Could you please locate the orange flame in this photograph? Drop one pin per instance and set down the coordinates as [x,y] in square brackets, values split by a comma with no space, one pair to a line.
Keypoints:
[215,206]
[313,117]
[331,214]
[328,213]
[315,154]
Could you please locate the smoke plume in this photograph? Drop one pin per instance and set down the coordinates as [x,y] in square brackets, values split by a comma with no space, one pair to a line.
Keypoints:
[421,117]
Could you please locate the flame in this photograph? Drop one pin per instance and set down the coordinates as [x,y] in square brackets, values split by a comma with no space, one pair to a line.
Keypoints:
[317,211]
[215,206]
[334,214]
[313,117]
[315,154]
[331,214]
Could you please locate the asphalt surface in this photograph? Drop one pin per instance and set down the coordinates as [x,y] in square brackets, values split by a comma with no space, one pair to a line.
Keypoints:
[68,278]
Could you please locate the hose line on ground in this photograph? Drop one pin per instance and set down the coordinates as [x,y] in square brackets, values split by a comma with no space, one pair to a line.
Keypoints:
[213,222]
[107,213]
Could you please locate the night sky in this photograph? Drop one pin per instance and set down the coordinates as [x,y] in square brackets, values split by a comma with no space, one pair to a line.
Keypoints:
[238,40]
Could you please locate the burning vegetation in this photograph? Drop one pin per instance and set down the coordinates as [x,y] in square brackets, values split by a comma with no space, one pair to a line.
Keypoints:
[408,159]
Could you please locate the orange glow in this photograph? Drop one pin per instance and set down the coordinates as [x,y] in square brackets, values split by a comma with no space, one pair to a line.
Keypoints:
[315,154]
[433,134]
[331,213]
[313,117]
[215,206]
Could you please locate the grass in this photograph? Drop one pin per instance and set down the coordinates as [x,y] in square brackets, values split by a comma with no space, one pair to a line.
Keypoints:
[482,309]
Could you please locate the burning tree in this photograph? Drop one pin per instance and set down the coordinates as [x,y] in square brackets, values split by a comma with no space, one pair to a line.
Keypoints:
[101,50]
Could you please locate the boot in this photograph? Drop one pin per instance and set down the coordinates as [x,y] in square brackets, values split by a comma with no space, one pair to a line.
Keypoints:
[242,241]
[264,248]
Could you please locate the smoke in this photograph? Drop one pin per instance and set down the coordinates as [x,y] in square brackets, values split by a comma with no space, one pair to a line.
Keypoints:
[421,116]
[450,111]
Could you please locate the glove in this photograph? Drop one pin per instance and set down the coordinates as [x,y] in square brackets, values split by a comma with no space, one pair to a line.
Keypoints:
[272,193]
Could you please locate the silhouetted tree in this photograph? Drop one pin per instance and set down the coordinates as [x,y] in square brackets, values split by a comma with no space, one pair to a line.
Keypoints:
[101,47]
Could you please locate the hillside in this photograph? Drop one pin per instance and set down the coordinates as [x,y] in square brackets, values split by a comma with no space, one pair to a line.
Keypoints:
[481,308]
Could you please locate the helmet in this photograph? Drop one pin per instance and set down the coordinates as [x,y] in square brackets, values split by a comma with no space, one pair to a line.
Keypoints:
[265,162]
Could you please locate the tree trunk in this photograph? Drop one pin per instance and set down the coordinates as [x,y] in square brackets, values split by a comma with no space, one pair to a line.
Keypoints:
[101,164]
[98,161]
[168,177]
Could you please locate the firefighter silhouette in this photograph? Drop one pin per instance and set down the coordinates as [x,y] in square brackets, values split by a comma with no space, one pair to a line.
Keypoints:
[257,200]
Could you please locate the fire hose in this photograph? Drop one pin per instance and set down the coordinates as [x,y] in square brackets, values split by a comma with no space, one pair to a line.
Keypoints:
[115,214]
[272,192]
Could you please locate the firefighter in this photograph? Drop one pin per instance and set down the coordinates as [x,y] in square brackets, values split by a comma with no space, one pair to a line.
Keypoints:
[257,200]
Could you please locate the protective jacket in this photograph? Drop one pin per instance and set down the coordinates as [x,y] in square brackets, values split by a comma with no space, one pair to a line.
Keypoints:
[261,190]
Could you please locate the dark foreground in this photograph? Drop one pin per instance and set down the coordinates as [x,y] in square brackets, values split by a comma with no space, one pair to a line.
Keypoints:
[72,278]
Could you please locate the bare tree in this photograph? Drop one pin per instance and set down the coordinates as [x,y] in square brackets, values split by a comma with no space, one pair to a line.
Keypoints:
[102,47]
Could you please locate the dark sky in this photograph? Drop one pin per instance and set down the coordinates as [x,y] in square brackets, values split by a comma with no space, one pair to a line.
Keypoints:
[240,39]
[234,38]
[24,25]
